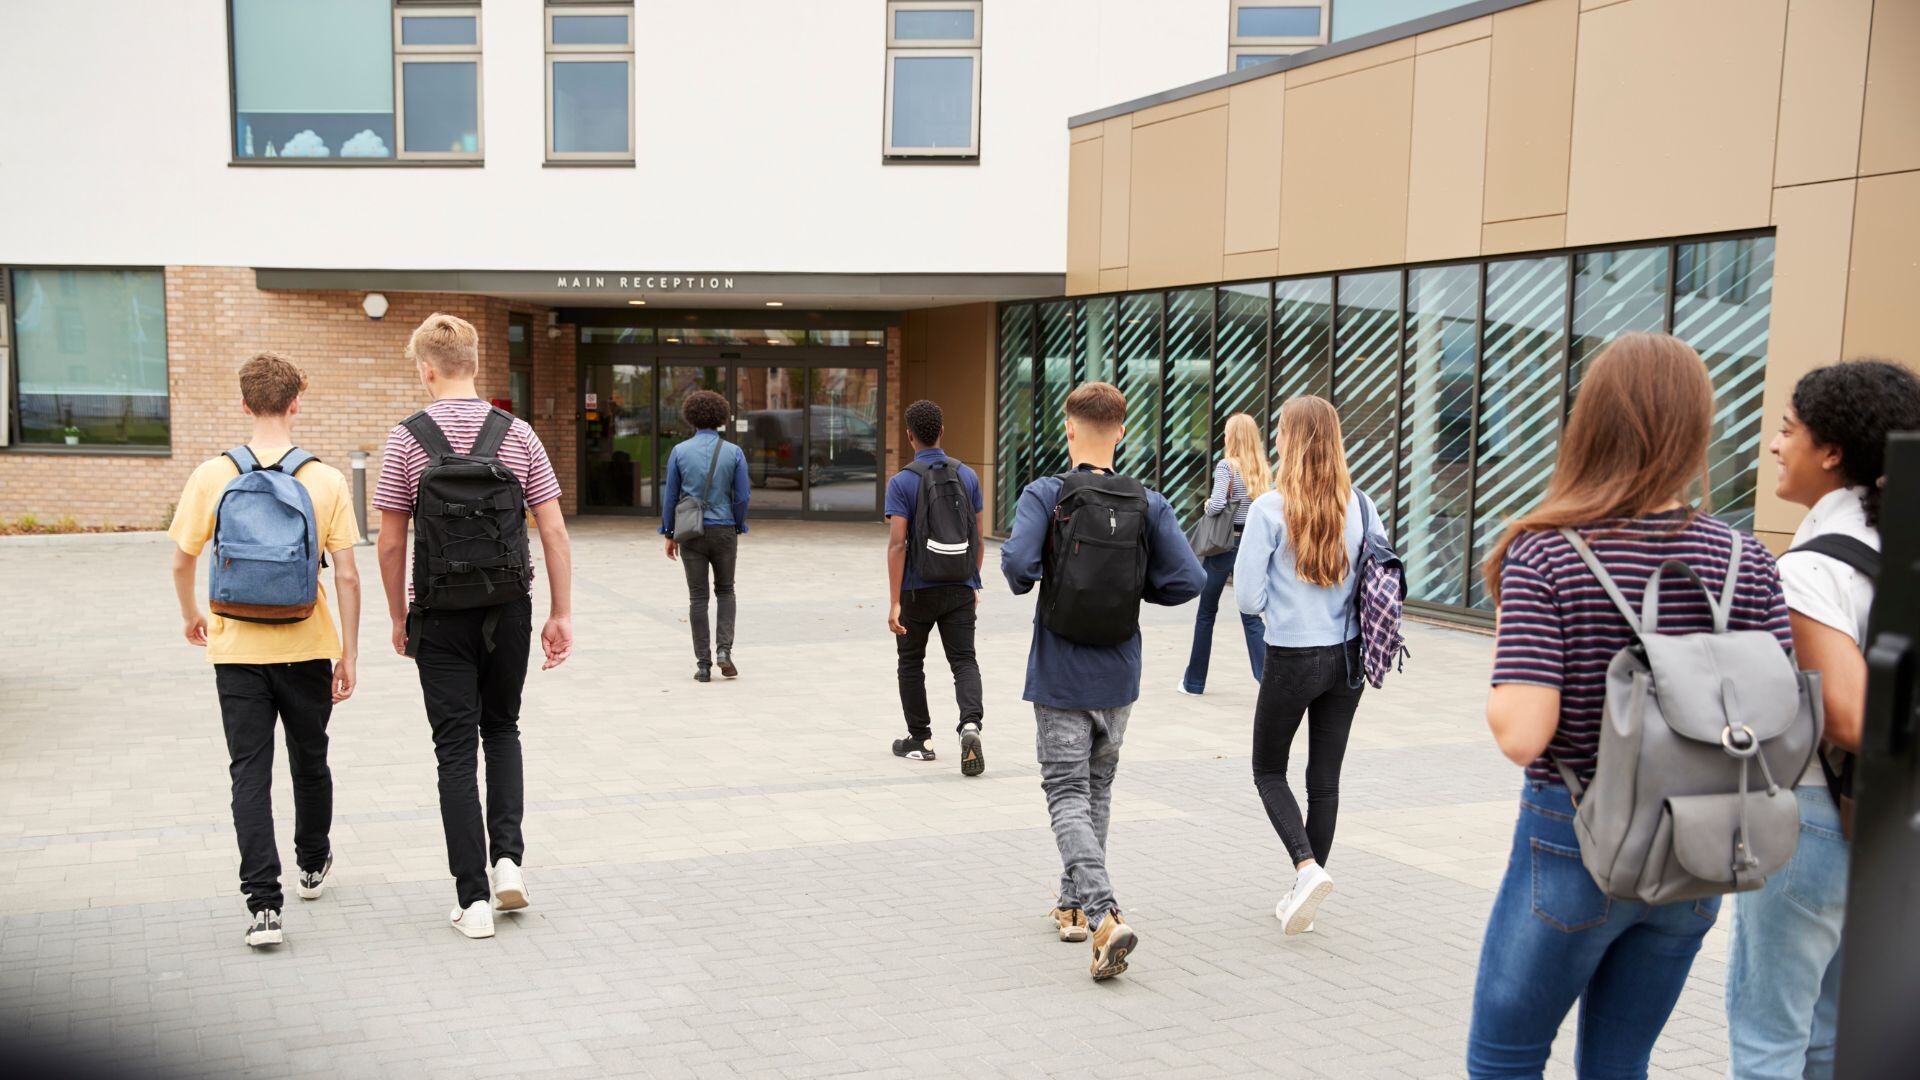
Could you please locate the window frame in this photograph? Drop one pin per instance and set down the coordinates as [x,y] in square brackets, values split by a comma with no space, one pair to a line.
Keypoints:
[10,443]
[553,54]
[438,54]
[1273,45]
[971,48]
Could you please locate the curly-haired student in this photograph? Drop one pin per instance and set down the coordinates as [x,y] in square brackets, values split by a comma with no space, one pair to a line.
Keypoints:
[701,467]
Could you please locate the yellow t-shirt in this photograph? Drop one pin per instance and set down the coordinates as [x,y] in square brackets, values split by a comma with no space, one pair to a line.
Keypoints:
[232,641]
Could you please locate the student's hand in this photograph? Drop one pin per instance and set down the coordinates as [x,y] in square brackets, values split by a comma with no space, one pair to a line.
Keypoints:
[343,679]
[400,636]
[556,639]
[194,627]
[979,597]
[893,619]
[673,549]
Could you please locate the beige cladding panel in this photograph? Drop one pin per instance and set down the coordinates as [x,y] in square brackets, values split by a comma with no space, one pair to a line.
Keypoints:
[1890,132]
[1821,88]
[1391,52]
[1525,234]
[1116,192]
[1813,226]
[1178,200]
[1674,128]
[1449,152]
[1883,286]
[1530,110]
[1255,120]
[1083,216]
[1448,36]
[1343,189]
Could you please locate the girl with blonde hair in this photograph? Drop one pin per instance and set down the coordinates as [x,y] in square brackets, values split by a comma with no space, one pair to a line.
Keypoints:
[1295,569]
[1239,477]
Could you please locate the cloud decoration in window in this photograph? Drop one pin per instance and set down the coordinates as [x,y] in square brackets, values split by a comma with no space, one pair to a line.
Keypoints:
[364,145]
[305,144]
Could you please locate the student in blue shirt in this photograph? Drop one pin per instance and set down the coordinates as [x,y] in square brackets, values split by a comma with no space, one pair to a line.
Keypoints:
[918,605]
[724,520]
[1082,694]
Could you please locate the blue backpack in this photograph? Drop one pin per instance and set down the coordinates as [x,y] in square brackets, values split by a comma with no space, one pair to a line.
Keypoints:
[266,543]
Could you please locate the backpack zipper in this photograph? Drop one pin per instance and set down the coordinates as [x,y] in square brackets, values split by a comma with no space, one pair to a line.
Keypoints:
[1113,522]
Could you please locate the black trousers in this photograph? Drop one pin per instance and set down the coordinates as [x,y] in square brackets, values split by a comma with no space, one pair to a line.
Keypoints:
[473,702]
[1309,682]
[949,607]
[715,550]
[301,696]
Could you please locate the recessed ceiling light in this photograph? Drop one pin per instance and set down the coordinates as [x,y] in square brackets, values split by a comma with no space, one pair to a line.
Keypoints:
[673,341]
[638,303]
[776,303]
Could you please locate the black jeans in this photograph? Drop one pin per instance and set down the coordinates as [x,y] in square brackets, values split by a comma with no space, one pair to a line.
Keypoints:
[251,696]
[1310,681]
[473,701]
[949,607]
[716,548]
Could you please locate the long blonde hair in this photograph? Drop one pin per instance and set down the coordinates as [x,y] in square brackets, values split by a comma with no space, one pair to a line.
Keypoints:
[1315,486]
[1247,456]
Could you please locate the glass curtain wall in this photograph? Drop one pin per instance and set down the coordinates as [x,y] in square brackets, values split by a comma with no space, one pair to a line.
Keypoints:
[1453,381]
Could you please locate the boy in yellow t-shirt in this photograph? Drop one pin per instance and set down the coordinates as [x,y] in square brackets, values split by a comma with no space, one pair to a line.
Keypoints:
[294,671]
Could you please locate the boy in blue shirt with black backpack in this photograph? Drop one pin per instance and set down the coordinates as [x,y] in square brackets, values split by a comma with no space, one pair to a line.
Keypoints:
[1098,544]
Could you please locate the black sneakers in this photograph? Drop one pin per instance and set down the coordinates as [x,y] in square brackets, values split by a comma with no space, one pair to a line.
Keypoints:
[314,882]
[973,760]
[913,749]
[265,928]
[703,673]
[725,659]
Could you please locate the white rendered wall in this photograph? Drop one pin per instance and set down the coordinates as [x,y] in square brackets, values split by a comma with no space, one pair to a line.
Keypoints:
[758,131]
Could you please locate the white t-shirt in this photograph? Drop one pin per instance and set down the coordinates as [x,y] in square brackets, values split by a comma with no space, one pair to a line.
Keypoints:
[1825,589]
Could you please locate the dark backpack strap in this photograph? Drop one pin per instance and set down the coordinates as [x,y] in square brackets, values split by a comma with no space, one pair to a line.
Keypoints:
[293,461]
[1847,549]
[493,434]
[428,434]
[242,458]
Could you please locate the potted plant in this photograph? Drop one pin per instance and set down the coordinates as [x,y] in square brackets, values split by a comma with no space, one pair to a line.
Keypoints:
[73,435]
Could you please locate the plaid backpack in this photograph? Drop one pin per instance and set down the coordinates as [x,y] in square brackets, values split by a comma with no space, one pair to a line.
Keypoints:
[1379,594]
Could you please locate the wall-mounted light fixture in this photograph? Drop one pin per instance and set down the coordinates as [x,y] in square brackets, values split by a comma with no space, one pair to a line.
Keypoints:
[375,305]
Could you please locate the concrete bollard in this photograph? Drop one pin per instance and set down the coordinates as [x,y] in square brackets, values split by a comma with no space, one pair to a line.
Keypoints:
[360,494]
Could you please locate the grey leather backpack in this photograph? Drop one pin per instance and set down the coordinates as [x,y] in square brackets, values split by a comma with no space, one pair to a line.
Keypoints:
[1703,737]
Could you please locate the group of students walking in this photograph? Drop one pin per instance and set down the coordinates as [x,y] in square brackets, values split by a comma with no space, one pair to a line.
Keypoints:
[1576,580]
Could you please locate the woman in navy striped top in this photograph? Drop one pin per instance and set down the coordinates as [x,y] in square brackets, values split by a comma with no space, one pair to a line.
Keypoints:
[1239,477]
[1634,446]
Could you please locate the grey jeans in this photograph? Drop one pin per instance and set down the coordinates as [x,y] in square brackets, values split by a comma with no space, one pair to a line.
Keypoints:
[714,550]
[1079,752]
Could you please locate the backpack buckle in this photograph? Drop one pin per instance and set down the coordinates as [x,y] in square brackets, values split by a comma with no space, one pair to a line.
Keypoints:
[458,510]
[454,567]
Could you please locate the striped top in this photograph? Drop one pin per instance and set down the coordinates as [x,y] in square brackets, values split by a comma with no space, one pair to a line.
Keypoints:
[1559,630]
[1228,484]
[460,420]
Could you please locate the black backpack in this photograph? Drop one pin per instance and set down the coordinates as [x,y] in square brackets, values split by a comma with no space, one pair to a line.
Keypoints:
[944,538]
[1835,763]
[1096,559]
[469,520]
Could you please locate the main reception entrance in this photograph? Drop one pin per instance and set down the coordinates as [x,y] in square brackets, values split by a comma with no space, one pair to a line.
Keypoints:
[810,418]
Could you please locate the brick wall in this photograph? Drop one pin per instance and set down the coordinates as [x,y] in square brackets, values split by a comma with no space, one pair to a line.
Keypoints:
[360,385]
[896,424]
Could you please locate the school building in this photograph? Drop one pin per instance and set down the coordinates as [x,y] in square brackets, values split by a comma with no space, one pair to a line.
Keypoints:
[1432,212]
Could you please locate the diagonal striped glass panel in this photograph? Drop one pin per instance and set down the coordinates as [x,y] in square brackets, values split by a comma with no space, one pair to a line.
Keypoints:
[1436,430]
[1240,356]
[1366,382]
[1186,458]
[1138,354]
[1102,313]
[1302,343]
[1061,350]
[1723,296]
[1014,429]
[1523,351]
[1614,293]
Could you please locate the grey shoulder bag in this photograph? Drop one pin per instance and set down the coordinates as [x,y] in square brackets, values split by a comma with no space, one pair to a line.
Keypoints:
[1213,533]
[690,510]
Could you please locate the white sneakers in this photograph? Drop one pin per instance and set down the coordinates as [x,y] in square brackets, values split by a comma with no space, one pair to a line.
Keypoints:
[1295,910]
[1181,686]
[475,920]
[509,887]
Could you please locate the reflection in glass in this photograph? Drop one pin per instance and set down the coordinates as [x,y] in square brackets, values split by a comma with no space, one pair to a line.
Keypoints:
[932,102]
[675,384]
[91,354]
[1302,342]
[590,103]
[1188,456]
[1101,314]
[1521,376]
[1014,394]
[1366,371]
[617,445]
[1436,432]
[616,335]
[1247,60]
[1060,347]
[1139,358]
[844,443]
[589,29]
[1259,22]
[721,335]
[869,338]
[771,401]
[439,30]
[1723,297]
[313,80]
[1240,368]
[442,106]
[933,25]
[1615,293]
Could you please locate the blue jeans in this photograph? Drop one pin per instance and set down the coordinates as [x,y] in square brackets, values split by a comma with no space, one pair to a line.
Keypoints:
[1218,567]
[1554,938]
[1783,965]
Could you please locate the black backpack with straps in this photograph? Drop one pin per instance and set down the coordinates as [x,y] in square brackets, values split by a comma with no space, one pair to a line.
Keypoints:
[1837,764]
[469,519]
[1096,559]
[944,540]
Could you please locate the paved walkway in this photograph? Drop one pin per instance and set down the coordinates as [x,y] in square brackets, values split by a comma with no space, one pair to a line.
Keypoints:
[735,879]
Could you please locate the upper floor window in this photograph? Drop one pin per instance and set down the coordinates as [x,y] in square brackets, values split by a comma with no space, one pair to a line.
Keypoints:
[355,81]
[589,81]
[933,79]
[90,358]
[1259,31]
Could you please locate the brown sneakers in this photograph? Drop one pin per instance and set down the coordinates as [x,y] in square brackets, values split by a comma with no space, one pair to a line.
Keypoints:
[1111,944]
[1073,923]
